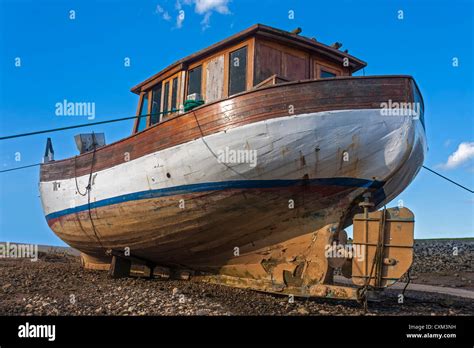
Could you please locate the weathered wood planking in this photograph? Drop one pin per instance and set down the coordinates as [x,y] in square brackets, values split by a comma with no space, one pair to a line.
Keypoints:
[215,79]
[273,58]
[245,108]
[196,234]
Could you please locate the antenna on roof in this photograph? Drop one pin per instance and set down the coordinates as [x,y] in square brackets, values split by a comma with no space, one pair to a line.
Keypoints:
[297,31]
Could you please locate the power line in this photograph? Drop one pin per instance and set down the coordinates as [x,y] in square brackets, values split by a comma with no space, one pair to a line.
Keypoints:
[65,128]
[18,168]
[83,125]
[445,178]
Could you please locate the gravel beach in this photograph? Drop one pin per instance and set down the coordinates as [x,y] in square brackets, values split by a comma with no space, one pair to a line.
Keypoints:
[57,285]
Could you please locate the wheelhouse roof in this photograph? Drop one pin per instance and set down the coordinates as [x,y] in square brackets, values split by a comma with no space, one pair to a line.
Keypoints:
[266,32]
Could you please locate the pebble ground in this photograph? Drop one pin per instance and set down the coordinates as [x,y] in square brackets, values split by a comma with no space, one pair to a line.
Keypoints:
[57,285]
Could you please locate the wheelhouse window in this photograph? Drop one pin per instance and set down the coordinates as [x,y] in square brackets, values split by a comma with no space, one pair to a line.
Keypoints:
[166,95]
[326,74]
[174,94]
[156,104]
[194,80]
[238,71]
[143,111]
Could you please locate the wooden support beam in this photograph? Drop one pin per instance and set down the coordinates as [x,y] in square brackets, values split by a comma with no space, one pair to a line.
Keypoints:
[120,267]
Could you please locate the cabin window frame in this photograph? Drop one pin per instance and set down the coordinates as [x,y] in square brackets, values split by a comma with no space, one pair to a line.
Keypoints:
[320,67]
[165,99]
[174,93]
[156,86]
[139,112]
[188,73]
[250,44]
[330,73]
[229,69]
[182,82]
[179,84]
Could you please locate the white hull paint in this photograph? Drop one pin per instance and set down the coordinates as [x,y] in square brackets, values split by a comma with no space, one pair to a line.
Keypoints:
[382,148]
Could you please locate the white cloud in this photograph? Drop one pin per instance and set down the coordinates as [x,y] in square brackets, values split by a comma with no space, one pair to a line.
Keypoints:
[206,6]
[161,11]
[205,23]
[463,154]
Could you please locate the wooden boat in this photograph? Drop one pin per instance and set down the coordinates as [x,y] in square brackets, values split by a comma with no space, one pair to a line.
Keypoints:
[184,192]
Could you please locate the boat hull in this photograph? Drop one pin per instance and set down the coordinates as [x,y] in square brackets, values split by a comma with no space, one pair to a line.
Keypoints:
[190,205]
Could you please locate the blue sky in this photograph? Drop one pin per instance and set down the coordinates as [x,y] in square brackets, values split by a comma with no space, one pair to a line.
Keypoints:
[82,59]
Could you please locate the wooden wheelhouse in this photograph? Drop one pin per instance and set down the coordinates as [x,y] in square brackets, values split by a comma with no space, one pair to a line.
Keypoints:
[256,57]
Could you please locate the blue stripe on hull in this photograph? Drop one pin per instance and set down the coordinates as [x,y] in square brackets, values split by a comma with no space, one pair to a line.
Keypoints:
[219,186]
